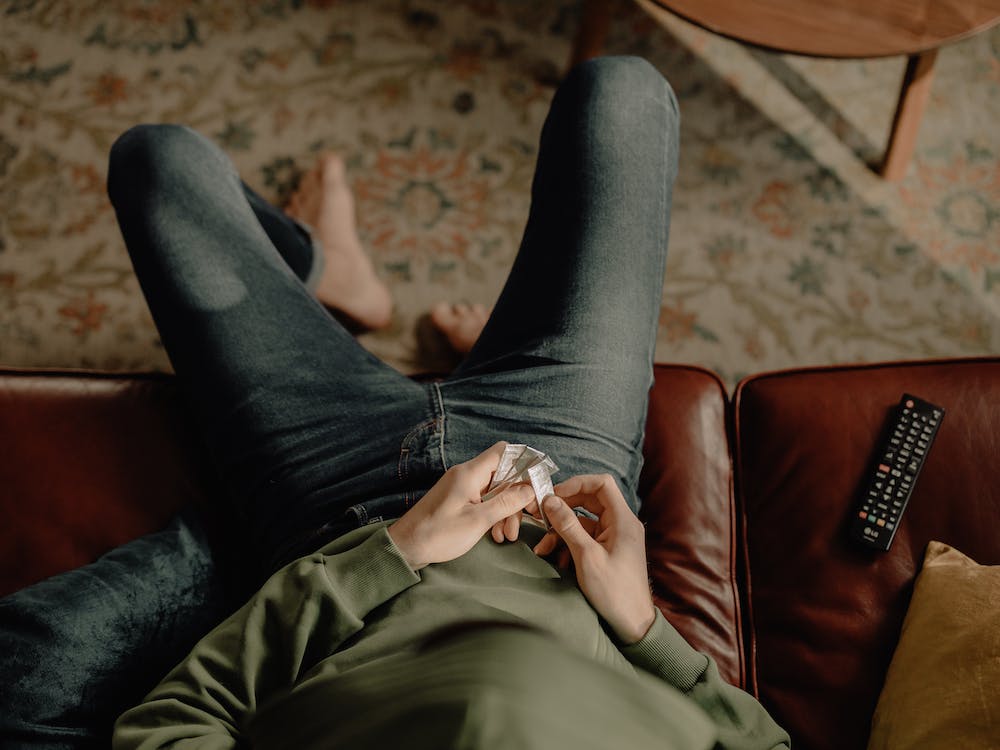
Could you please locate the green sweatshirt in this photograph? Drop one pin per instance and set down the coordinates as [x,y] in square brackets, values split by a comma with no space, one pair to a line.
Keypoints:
[333,651]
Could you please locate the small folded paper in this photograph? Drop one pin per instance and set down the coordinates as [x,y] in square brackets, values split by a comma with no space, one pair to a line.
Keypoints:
[522,463]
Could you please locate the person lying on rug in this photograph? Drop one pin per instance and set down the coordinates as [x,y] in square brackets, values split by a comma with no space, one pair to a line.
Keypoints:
[403,607]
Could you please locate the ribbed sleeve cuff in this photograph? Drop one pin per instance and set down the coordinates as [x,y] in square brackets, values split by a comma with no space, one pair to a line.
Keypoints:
[371,573]
[664,652]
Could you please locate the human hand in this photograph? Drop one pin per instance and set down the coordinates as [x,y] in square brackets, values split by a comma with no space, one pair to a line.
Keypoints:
[609,554]
[448,521]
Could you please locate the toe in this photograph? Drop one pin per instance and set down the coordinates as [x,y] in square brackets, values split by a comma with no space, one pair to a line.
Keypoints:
[332,168]
[443,316]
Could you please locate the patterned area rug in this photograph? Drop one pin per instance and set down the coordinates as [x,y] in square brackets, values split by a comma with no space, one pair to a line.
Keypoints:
[786,249]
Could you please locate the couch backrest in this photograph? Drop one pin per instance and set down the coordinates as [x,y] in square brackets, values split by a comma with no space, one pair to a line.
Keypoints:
[825,614]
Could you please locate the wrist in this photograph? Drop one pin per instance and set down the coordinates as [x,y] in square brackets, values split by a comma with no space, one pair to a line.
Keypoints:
[406,546]
[636,628]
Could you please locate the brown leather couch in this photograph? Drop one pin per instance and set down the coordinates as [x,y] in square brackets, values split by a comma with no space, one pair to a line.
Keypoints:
[747,502]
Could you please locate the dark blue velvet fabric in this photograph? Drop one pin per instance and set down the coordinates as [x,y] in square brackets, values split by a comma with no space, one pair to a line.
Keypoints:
[79,648]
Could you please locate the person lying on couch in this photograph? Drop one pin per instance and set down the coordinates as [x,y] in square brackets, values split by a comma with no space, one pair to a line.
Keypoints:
[404,607]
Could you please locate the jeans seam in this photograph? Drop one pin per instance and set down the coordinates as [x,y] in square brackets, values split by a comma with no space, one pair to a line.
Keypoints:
[402,467]
[442,419]
[670,106]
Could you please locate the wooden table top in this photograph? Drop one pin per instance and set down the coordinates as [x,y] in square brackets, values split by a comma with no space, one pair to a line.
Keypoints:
[841,28]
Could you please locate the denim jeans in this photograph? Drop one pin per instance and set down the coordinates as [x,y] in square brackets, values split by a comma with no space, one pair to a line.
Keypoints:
[313,435]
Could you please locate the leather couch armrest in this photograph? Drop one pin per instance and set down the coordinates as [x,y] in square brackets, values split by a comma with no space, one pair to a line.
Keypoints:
[686,487]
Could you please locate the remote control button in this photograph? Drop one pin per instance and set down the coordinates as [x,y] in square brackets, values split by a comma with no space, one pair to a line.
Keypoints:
[909,403]
[862,514]
[890,525]
[883,467]
[880,522]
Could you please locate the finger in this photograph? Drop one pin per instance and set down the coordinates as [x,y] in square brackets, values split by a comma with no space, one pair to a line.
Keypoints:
[481,467]
[532,510]
[488,458]
[565,522]
[602,487]
[508,502]
[591,484]
[574,492]
[511,526]
[497,532]
[547,543]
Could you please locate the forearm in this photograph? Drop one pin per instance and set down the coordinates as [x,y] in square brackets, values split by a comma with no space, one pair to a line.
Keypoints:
[262,649]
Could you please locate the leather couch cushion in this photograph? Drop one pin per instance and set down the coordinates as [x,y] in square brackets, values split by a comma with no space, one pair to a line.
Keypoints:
[90,461]
[826,614]
[689,514]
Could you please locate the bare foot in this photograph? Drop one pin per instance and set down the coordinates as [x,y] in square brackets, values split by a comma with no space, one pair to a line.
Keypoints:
[323,200]
[461,323]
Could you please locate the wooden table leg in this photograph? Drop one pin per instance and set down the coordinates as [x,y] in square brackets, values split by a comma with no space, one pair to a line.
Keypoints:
[595,19]
[912,100]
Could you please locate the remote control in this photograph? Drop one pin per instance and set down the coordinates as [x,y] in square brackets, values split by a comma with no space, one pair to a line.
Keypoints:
[897,465]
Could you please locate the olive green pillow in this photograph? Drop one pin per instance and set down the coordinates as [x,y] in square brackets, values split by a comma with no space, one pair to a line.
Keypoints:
[943,685]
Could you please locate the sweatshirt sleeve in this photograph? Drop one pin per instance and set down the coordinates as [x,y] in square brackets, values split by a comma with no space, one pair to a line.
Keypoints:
[741,721]
[300,616]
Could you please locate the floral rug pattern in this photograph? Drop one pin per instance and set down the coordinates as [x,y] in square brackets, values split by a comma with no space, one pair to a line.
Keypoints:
[786,250]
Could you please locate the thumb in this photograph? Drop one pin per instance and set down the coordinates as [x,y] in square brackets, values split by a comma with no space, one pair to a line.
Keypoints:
[508,502]
[566,524]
